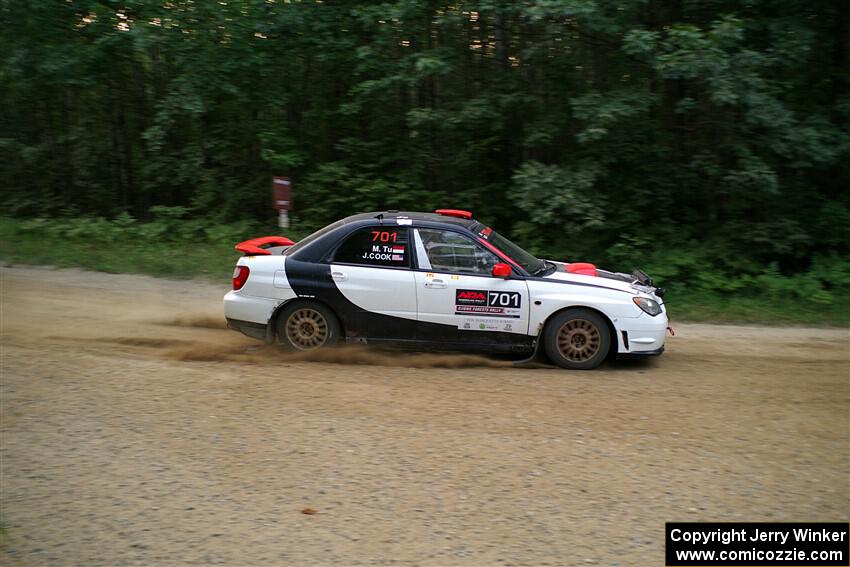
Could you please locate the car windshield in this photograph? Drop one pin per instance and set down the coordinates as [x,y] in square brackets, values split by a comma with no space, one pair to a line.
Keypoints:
[528,262]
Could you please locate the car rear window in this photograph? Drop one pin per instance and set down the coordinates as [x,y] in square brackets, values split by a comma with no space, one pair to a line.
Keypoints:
[312,237]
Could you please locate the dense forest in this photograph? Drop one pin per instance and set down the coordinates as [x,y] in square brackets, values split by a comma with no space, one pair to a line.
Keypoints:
[687,134]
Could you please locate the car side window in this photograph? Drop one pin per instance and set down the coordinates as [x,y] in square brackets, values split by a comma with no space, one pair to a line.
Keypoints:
[448,251]
[386,246]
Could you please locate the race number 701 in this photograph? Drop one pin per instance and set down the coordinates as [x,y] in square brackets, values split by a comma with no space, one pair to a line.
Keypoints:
[503,299]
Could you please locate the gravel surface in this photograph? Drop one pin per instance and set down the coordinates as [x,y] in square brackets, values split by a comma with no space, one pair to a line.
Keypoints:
[136,430]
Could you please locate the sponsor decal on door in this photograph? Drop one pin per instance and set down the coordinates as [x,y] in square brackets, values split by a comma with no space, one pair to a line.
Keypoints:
[489,303]
[475,324]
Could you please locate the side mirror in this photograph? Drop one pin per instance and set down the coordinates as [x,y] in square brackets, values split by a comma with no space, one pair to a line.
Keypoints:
[501,270]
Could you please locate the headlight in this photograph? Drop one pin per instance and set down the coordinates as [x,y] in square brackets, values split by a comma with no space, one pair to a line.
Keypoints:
[647,305]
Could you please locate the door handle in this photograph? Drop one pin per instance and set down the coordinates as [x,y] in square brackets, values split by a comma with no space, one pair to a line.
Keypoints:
[339,276]
[436,284]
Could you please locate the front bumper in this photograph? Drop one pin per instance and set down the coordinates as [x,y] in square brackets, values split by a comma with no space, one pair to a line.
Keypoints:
[640,354]
[644,335]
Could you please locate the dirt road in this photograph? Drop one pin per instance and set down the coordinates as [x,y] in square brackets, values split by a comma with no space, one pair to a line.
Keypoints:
[136,430]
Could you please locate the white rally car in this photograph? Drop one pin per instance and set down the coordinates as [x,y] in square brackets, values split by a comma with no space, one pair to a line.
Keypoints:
[439,280]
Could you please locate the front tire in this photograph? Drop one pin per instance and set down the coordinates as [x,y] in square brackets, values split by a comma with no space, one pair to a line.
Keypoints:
[577,339]
[307,325]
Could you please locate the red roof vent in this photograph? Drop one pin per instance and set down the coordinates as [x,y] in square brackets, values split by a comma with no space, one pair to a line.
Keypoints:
[454,213]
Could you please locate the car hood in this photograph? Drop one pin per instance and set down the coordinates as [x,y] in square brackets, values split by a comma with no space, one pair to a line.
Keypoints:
[604,279]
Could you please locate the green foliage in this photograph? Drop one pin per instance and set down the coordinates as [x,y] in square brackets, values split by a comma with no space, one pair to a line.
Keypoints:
[599,111]
[550,194]
[197,248]
[704,141]
[559,199]
[169,226]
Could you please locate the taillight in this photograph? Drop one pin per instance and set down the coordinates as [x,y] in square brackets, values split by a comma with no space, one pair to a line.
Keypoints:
[240,276]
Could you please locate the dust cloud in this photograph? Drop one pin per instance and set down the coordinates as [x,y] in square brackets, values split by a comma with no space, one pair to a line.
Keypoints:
[343,354]
[195,321]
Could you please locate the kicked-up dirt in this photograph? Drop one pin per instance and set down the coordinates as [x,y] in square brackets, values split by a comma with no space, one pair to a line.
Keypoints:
[135,429]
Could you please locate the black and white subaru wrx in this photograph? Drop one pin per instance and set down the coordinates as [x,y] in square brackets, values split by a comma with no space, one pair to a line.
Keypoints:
[439,280]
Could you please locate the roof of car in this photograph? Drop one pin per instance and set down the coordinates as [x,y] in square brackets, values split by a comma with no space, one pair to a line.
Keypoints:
[313,248]
[413,215]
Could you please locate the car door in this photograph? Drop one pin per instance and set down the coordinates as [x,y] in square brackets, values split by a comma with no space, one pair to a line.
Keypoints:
[371,268]
[459,300]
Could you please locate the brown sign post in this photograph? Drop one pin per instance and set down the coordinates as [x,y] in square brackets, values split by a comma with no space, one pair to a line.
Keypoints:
[282,199]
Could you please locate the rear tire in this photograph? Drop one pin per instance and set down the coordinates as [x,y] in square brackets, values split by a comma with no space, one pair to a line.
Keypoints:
[577,339]
[307,325]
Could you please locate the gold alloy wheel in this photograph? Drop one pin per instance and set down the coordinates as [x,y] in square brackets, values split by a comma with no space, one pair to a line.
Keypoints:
[307,329]
[579,340]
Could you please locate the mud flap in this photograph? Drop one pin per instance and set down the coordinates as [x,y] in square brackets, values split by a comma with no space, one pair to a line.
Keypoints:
[537,358]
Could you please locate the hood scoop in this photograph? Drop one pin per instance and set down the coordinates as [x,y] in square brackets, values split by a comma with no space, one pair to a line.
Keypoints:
[582,269]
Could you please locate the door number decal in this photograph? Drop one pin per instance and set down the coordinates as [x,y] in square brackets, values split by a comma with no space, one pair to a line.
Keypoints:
[490,303]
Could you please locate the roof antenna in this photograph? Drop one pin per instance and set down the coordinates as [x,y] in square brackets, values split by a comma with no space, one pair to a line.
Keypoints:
[380,217]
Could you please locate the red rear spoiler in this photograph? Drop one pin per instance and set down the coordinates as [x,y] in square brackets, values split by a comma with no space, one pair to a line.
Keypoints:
[252,247]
